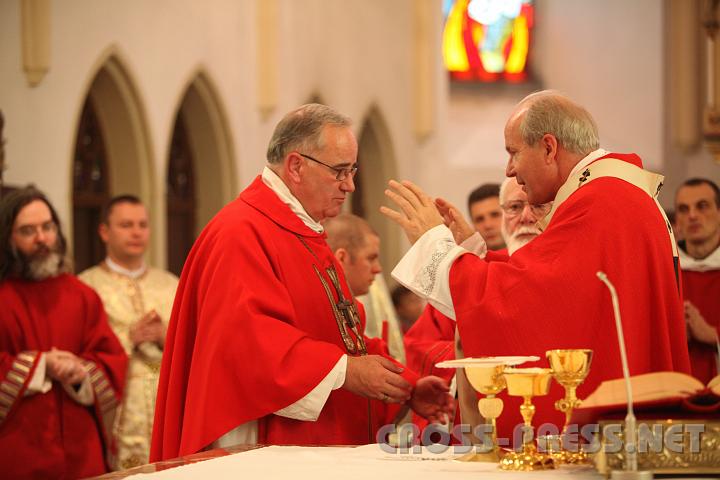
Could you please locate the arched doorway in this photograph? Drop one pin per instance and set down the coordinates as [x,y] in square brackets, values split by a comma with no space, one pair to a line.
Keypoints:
[91,188]
[111,156]
[201,172]
[377,164]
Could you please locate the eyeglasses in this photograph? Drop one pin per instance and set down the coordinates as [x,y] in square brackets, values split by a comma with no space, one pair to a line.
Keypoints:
[28,231]
[515,208]
[341,173]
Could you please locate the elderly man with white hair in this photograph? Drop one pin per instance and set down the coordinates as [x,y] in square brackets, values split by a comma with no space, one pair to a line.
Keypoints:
[520,218]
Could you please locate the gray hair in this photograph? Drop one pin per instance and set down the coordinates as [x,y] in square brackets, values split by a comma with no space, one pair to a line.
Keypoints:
[503,189]
[551,112]
[301,129]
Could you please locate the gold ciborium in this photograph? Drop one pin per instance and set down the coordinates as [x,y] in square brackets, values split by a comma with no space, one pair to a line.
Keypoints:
[485,375]
[527,383]
[570,368]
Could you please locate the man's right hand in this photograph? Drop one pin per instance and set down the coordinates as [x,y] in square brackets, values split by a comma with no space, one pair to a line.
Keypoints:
[374,376]
[149,328]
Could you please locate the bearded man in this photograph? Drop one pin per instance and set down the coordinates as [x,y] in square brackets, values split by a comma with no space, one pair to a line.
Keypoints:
[61,366]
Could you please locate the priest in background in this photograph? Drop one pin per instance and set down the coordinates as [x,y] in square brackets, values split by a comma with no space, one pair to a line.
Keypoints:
[265,343]
[138,300]
[486,214]
[357,247]
[697,210]
[61,367]
[605,217]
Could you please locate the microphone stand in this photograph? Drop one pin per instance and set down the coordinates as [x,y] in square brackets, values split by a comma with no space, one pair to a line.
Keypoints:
[631,472]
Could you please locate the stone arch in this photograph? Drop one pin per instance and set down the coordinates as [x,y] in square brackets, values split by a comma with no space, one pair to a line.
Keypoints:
[121,117]
[211,147]
[377,164]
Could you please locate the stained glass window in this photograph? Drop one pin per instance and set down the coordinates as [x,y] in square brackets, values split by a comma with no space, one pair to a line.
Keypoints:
[487,40]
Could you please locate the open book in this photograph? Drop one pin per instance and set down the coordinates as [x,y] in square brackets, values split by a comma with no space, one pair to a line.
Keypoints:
[655,394]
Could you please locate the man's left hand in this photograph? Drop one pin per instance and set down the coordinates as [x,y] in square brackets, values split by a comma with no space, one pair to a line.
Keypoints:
[419,213]
[431,400]
[698,327]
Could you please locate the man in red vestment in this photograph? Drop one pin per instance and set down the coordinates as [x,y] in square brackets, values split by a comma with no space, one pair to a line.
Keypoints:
[697,210]
[265,342]
[61,367]
[604,217]
[431,340]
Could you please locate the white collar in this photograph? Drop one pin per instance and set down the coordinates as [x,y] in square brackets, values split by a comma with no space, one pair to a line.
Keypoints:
[276,184]
[134,274]
[711,262]
[588,159]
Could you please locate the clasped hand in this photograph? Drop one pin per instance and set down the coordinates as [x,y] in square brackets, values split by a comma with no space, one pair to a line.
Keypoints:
[65,367]
[421,213]
[149,328]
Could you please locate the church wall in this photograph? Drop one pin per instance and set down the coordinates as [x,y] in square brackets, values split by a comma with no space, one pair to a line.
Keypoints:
[354,54]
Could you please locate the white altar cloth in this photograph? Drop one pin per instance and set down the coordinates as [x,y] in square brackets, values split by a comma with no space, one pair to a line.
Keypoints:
[366,462]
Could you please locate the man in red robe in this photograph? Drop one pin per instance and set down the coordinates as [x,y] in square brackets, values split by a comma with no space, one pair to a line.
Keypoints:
[265,342]
[61,367]
[431,340]
[604,217]
[697,210]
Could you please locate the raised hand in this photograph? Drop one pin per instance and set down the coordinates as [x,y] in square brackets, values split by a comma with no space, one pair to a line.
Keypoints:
[431,399]
[419,213]
[374,376]
[454,220]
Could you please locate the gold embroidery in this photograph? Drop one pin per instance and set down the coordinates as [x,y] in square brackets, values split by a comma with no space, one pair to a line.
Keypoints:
[16,378]
[5,400]
[14,381]
[10,388]
[25,369]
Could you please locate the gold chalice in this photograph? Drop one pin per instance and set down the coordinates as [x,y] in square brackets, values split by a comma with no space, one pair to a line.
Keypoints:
[570,368]
[487,380]
[527,383]
[485,375]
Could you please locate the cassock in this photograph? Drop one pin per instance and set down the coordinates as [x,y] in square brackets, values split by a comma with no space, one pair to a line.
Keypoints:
[547,295]
[701,286]
[257,324]
[126,297]
[51,434]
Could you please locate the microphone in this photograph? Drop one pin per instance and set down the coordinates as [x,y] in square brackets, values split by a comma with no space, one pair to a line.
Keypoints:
[631,472]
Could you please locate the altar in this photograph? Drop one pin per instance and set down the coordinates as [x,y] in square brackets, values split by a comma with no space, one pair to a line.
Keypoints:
[367,462]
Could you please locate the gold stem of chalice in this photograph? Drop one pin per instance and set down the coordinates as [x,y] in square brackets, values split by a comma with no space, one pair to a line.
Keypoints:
[488,381]
[527,383]
[570,368]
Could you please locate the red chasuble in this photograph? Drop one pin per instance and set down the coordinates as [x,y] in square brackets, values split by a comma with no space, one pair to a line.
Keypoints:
[547,295]
[50,435]
[703,290]
[253,331]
